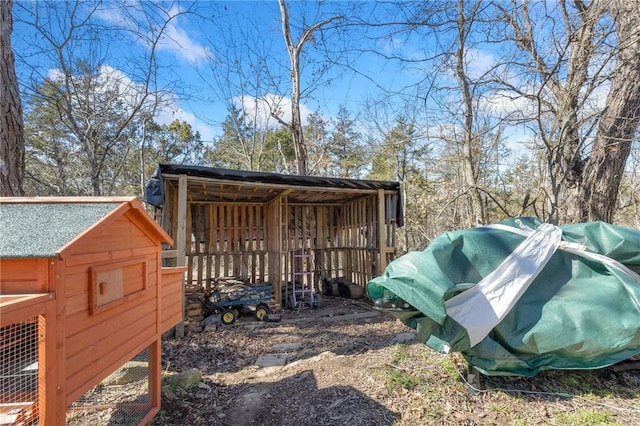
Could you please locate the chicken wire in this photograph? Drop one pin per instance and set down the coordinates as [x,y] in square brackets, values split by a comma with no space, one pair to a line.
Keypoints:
[123,398]
[19,373]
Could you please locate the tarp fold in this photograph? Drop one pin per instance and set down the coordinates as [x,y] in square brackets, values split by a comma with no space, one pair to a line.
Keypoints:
[522,296]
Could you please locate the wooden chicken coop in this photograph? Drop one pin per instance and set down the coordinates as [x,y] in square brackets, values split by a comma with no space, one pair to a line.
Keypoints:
[285,230]
[82,295]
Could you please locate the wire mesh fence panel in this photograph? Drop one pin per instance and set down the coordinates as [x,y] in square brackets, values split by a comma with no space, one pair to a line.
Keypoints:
[19,373]
[121,399]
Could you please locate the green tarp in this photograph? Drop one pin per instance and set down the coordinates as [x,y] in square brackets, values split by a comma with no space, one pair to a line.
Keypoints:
[526,296]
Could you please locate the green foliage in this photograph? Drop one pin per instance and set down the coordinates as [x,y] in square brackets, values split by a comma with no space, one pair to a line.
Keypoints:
[245,146]
[588,417]
[448,365]
[399,353]
[89,142]
[396,380]
[345,151]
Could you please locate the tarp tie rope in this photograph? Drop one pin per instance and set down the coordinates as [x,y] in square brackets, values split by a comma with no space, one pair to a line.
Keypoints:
[483,306]
[575,248]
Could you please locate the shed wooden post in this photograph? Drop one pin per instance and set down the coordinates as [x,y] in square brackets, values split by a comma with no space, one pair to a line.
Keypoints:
[382,234]
[274,238]
[181,238]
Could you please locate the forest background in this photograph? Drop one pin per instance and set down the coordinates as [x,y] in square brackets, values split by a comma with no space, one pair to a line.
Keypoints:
[482,110]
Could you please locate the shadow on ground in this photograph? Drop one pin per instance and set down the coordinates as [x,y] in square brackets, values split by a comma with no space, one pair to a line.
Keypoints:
[295,400]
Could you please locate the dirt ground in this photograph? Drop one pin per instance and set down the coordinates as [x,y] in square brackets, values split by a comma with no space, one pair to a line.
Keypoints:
[348,364]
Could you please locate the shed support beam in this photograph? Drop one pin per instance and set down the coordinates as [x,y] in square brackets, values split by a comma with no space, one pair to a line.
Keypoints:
[181,238]
[382,234]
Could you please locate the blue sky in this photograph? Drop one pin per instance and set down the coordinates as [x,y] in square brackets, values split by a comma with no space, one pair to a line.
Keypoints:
[194,52]
[216,53]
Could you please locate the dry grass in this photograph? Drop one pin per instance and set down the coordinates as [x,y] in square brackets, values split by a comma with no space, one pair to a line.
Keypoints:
[350,372]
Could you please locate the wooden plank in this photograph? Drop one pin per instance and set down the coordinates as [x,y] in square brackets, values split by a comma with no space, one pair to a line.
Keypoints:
[181,220]
[218,238]
[224,236]
[207,246]
[166,220]
[274,238]
[341,241]
[171,313]
[330,239]
[176,214]
[26,273]
[85,380]
[107,338]
[18,270]
[18,308]
[57,275]
[79,318]
[79,259]
[197,232]
[48,398]
[236,241]
[222,241]
[188,244]
[260,240]
[155,380]
[382,237]
[243,236]
[251,241]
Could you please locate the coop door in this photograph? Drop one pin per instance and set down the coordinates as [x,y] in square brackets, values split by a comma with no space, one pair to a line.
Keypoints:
[110,286]
[114,283]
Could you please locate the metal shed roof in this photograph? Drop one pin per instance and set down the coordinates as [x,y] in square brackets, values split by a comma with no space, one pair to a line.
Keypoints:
[210,184]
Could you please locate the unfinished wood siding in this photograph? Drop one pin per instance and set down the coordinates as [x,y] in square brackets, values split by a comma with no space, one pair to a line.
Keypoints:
[22,276]
[301,243]
[226,240]
[359,231]
[273,238]
[347,237]
[99,341]
[389,226]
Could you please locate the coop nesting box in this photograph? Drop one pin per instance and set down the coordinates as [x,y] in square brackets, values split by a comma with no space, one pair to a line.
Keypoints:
[82,293]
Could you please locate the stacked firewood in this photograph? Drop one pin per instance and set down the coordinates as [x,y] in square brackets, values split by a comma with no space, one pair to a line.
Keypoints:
[194,315]
[195,294]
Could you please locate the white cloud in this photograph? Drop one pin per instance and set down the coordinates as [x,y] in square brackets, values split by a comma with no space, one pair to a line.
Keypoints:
[478,62]
[111,84]
[505,104]
[260,111]
[119,86]
[173,112]
[174,39]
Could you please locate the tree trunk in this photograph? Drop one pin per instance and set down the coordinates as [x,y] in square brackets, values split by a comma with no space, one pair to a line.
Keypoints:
[469,161]
[294,50]
[618,125]
[565,165]
[11,125]
[299,143]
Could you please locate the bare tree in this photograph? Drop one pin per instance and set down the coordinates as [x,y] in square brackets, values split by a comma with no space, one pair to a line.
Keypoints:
[618,123]
[98,94]
[464,21]
[11,126]
[239,74]
[294,48]
[579,51]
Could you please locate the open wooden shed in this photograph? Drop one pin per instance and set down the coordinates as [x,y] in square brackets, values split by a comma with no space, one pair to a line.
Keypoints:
[82,293]
[274,228]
